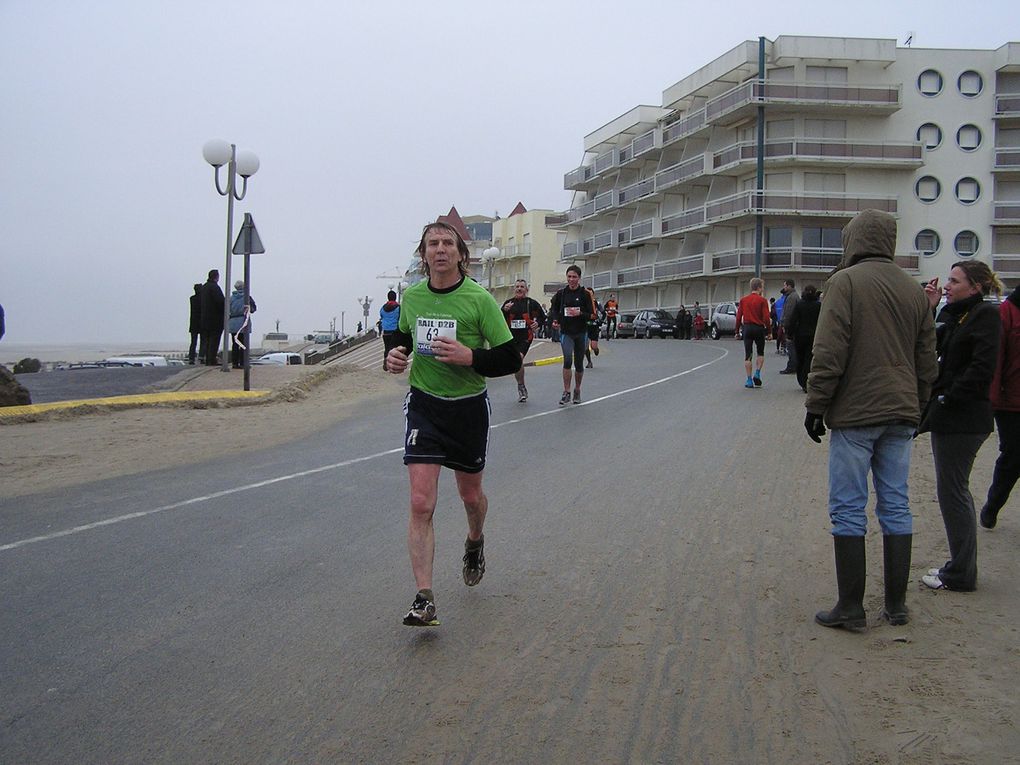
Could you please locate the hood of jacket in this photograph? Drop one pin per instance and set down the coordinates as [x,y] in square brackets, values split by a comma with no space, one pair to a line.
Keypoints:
[870,234]
[390,305]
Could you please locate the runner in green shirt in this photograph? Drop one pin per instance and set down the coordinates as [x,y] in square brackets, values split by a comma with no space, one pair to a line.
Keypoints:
[459,337]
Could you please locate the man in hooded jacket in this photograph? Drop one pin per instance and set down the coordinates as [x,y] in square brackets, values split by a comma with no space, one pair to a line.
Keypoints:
[872,371]
[389,319]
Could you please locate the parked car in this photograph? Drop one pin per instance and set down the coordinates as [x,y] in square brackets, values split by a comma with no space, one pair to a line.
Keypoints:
[723,321]
[654,321]
[280,359]
[625,324]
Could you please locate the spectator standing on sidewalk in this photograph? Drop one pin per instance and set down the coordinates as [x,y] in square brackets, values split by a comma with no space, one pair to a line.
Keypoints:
[801,332]
[789,306]
[959,415]
[195,322]
[873,368]
[212,317]
[389,318]
[1005,395]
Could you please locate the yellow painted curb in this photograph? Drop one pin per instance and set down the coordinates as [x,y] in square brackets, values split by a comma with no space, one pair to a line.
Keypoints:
[140,399]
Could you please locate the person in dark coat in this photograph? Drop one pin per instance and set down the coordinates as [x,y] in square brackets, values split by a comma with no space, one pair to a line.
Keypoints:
[1005,396]
[959,414]
[195,323]
[802,324]
[212,317]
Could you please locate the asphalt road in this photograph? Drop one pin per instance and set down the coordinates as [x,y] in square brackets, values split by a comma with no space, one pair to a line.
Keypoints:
[249,610]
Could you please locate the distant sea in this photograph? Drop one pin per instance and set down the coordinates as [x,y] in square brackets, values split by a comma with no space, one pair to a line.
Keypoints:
[11,353]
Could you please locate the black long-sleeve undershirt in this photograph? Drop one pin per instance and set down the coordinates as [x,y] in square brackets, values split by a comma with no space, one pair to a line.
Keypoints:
[502,360]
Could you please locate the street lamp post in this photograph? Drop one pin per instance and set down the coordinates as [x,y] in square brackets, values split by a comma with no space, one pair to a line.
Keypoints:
[365,303]
[244,163]
[490,254]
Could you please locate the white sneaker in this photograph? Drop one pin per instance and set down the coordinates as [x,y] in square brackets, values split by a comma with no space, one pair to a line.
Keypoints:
[933,581]
[934,571]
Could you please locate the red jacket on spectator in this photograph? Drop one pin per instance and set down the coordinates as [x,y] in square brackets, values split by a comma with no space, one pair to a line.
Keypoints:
[1005,390]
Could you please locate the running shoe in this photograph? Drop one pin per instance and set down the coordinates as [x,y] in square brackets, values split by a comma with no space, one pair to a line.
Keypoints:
[749,383]
[577,397]
[565,398]
[474,562]
[934,581]
[589,365]
[757,381]
[522,394]
[422,613]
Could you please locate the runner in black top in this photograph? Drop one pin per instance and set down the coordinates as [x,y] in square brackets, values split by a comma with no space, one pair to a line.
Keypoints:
[524,316]
[571,309]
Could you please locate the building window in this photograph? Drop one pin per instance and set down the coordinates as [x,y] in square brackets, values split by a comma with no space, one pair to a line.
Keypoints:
[822,238]
[970,83]
[780,237]
[966,244]
[968,137]
[930,135]
[928,188]
[968,190]
[927,242]
[929,82]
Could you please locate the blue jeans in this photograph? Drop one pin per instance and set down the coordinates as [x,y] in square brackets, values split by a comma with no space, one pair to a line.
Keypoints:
[885,451]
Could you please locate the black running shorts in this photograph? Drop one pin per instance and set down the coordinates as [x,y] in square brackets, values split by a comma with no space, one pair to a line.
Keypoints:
[754,335]
[449,432]
[522,346]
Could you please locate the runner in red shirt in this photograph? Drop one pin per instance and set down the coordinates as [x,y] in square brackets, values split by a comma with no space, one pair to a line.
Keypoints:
[754,323]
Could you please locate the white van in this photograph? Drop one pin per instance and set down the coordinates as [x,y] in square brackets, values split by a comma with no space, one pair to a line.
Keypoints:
[280,359]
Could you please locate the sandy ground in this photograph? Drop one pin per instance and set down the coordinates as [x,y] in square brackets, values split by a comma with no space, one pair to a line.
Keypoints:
[886,696]
[69,448]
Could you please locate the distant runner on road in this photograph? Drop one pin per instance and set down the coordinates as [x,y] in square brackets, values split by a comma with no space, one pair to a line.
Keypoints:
[447,321]
[571,309]
[524,316]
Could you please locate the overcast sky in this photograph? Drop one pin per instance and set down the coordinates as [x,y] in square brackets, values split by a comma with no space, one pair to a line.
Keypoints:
[369,118]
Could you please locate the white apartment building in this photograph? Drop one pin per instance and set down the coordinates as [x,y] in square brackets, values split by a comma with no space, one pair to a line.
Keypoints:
[669,207]
[527,250]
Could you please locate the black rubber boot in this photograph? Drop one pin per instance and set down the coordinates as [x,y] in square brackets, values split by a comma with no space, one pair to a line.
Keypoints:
[850,579]
[896,554]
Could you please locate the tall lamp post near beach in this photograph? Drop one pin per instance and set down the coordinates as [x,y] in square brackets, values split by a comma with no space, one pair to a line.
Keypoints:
[490,254]
[365,303]
[244,163]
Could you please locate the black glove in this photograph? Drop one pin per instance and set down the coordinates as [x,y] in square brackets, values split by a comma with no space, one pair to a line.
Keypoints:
[814,426]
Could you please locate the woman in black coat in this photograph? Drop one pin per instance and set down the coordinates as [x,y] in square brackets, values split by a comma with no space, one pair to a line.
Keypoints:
[959,415]
[803,322]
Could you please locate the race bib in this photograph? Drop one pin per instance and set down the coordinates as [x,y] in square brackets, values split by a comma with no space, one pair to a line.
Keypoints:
[429,329]
[572,311]
[518,324]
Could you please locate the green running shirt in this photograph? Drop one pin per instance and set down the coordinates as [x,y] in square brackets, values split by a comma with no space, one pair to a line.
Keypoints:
[467,313]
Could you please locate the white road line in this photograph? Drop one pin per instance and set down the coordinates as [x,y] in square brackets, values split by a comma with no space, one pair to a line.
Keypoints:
[312,471]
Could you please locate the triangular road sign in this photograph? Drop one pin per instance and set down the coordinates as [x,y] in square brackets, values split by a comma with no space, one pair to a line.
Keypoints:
[248,240]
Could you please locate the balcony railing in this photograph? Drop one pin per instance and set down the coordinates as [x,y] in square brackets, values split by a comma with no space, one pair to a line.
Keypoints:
[1007,105]
[631,277]
[683,127]
[570,250]
[603,280]
[1006,264]
[606,161]
[680,268]
[1007,212]
[681,171]
[821,150]
[637,190]
[796,202]
[1007,159]
[559,219]
[674,224]
[778,258]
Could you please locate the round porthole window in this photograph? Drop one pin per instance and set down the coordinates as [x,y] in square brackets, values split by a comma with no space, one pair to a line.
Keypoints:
[928,188]
[927,242]
[930,135]
[929,82]
[970,83]
[968,190]
[968,137]
[966,244]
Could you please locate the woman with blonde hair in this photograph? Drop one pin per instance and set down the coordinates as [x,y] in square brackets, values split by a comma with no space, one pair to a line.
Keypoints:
[959,414]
